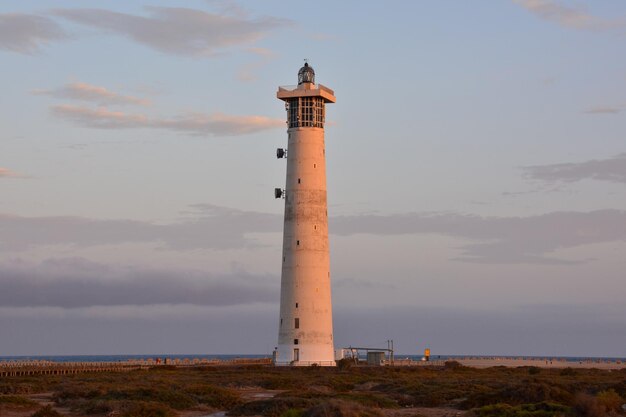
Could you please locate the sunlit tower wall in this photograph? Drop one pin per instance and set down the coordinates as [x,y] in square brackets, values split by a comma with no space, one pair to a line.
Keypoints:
[305,335]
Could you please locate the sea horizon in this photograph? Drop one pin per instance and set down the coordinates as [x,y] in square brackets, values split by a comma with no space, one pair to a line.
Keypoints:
[127,357]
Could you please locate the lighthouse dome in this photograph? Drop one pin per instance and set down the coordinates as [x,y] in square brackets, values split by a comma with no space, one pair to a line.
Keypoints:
[306,74]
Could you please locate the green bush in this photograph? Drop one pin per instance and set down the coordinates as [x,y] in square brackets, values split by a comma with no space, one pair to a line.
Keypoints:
[293,412]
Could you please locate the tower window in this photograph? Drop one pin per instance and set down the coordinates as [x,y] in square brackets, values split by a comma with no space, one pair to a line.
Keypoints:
[296,341]
[296,323]
[314,165]
[296,305]
[281,321]
[298,180]
[297,242]
[306,112]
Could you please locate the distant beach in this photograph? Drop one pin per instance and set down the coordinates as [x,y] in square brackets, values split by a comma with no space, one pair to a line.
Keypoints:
[400,360]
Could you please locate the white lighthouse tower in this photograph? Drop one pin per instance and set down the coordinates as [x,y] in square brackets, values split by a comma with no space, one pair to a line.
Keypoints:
[305,335]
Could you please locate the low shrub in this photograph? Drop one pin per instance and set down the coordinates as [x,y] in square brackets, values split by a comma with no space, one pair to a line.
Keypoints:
[345,364]
[453,365]
[148,409]
[46,411]
[542,409]
[369,400]
[588,406]
[273,407]
[213,396]
[523,392]
[293,412]
[173,398]
[67,393]
[16,401]
[610,400]
[91,407]
[568,372]
[338,408]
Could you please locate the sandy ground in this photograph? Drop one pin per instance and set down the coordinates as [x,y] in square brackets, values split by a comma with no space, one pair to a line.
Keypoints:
[424,412]
[540,363]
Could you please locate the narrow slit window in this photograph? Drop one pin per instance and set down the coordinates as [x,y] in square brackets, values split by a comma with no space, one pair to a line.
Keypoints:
[298,180]
[296,341]
[296,305]
[296,323]
[297,243]
[314,165]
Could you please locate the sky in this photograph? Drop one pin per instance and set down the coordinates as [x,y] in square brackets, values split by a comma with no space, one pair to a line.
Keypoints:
[476,162]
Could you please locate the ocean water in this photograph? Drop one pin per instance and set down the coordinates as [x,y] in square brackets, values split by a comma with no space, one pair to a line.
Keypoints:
[121,358]
[124,358]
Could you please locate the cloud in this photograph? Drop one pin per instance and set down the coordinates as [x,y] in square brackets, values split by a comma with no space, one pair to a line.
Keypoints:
[179,31]
[611,169]
[604,110]
[570,17]
[7,173]
[193,123]
[212,227]
[76,283]
[87,92]
[490,240]
[501,240]
[26,34]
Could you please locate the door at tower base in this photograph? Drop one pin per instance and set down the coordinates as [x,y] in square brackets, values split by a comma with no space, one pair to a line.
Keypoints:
[305,335]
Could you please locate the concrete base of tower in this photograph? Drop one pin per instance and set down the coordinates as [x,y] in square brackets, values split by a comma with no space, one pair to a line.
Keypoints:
[304,355]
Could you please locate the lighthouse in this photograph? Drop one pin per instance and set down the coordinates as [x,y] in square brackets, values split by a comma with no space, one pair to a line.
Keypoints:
[305,335]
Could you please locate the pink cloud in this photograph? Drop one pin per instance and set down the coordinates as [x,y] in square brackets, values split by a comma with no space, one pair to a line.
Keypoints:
[568,16]
[7,173]
[193,123]
[94,93]
[178,30]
